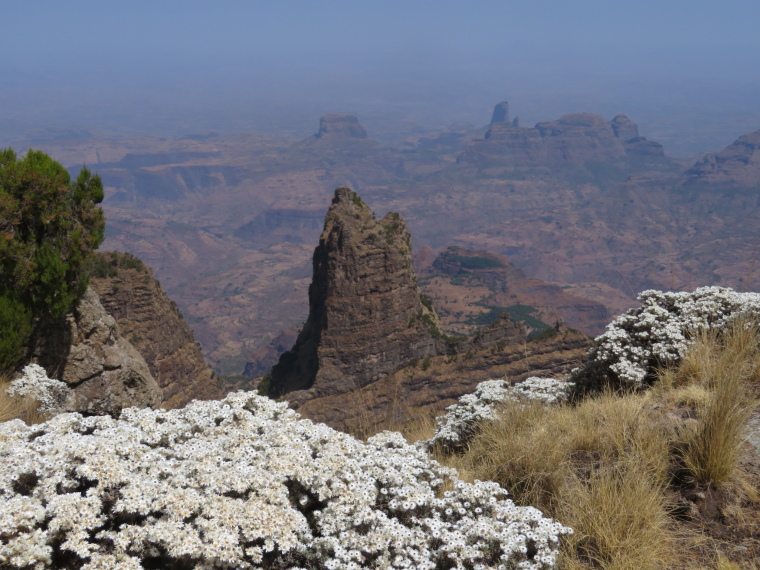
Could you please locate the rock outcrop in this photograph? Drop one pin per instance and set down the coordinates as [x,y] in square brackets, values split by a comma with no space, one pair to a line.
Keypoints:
[737,165]
[104,371]
[337,126]
[426,387]
[370,334]
[366,318]
[574,139]
[154,325]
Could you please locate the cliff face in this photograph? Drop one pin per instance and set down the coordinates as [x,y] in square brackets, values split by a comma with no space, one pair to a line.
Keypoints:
[104,371]
[371,340]
[154,325]
[427,387]
[366,318]
[574,139]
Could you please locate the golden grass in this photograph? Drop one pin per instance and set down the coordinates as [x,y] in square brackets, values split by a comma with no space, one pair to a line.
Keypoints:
[585,466]
[17,408]
[606,466]
[727,367]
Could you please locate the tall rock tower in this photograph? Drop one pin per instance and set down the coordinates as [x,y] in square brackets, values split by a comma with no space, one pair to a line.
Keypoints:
[366,318]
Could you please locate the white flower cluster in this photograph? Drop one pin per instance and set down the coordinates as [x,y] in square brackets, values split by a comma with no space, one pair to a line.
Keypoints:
[460,422]
[245,483]
[35,384]
[658,332]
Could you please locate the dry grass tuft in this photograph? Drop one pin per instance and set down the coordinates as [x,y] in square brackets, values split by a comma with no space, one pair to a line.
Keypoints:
[619,514]
[585,466]
[17,408]
[606,466]
[727,366]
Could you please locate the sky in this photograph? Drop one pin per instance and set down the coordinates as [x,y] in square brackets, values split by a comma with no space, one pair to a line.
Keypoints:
[687,71]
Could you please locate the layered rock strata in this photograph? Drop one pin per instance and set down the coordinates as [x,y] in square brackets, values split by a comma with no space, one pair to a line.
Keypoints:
[366,318]
[426,387]
[104,371]
[155,326]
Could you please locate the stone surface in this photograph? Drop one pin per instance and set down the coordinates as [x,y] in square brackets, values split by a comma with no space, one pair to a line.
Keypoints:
[365,312]
[154,325]
[624,128]
[104,371]
[500,113]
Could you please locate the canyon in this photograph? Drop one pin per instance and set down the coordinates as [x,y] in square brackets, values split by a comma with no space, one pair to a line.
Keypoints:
[585,209]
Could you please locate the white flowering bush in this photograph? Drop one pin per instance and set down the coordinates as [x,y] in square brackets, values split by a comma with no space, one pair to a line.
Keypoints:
[460,422]
[34,383]
[658,332]
[245,483]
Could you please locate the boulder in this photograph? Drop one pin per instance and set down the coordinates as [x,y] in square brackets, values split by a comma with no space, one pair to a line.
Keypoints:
[104,371]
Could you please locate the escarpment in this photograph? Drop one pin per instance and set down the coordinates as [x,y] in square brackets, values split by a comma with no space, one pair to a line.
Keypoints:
[366,318]
[87,351]
[154,325]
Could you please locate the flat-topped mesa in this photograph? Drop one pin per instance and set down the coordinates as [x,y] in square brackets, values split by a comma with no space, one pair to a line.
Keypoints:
[336,126]
[366,318]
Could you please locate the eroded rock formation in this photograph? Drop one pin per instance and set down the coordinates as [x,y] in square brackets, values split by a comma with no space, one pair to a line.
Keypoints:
[574,139]
[154,325]
[336,126]
[371,339]
[366,318]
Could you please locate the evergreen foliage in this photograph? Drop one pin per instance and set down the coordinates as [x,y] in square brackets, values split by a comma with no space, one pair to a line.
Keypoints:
[49,227]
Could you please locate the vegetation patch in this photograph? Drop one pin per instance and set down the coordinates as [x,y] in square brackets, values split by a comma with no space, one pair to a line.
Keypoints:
[49,227]
[517,313]
[475,261]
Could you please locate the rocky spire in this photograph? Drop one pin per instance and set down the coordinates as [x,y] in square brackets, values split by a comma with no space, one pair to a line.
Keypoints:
[366,318]
[500,113]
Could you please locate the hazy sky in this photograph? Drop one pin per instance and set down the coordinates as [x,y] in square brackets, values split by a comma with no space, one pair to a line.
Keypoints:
[687,71]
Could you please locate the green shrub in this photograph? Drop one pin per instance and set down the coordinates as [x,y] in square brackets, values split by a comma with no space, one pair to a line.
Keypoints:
[49,228]
[476,261]
[15,330]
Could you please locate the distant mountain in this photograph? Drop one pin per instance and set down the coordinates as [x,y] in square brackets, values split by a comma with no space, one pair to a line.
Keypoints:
[737,165]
